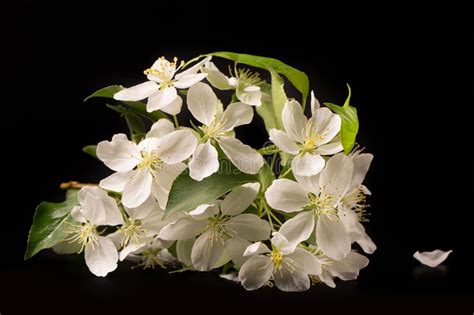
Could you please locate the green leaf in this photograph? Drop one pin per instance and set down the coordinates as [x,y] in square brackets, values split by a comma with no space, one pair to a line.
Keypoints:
[186,193]
[51,224]
[265,177]
[350,124]
[272,107]
[91,150]
[134,123]
[298,78]
[137,108]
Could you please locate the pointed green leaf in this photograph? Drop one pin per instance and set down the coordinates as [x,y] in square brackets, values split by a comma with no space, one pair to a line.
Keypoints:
[186,193]
[298,78]
[350,124]
[265,177]
[51,224]
[91,150]
[134,123]
[137,108]
[272,107]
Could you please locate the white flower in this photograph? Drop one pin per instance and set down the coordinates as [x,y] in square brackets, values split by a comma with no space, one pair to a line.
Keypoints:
[141,228]
[318,197]
[347,268]
[96,209]
[218,223]
[153,254]
[245,83]
[149,167]
[161,87]
[287,265]
[432,259]
[352,208]
[307,139]
[217,127]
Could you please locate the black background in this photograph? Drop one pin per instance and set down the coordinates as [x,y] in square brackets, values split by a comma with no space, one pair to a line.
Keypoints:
[407,69]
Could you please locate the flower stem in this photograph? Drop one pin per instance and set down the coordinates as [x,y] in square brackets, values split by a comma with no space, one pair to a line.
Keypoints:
[176,123]
[286,173]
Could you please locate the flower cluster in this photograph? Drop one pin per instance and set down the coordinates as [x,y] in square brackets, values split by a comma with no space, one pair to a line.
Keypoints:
[291,223]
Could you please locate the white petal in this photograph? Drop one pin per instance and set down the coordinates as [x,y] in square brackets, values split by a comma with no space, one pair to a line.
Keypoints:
[92,210]
[332,237]
[336,177]
[235,248]
[167,173]
[177,146]
[202,102]
[282,244]
[255,272]
[348,268]
[286,195]
[310,183]
[366,243]
[173,108]
[325,276]
[432,259]
[298,228]
[291,281]
[239,199]
[256,248]
[216,78]
[305,262]
[206,251]
[329,148]
[231,276]
[120,154]
[130,248]
[307,164]
[104,204]
[191,70]
[137,189]
[78,214]
[361,167]
[116,182]
[326,124]
[161,98]
[66,247]
[137,92]
[250,95]
[236,114]
[188,80]
[248,226]
[283,141]
[160,128]
[294,120]
[101,258]
[204,211]
[204,162]
[142,211]
[184,249]
[182,229]
[314,103]
[244,157]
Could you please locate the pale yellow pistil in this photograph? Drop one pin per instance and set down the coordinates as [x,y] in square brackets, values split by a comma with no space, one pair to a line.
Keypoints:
[84,234]
[164,71]
[322,204]
[132,232]
[356,200]
[150,160]
[213,131]
[248,78]
[280,261]
[219,231]
[151,259]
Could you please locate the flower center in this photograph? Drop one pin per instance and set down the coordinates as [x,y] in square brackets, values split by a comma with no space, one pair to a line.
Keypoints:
[150,160]
[355,200]
[151,259]
[277,258]
[322,204]
[84,234]
[313,137]
[164,71]
[248,78]
[132,232]
[219,231]
[214,130]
